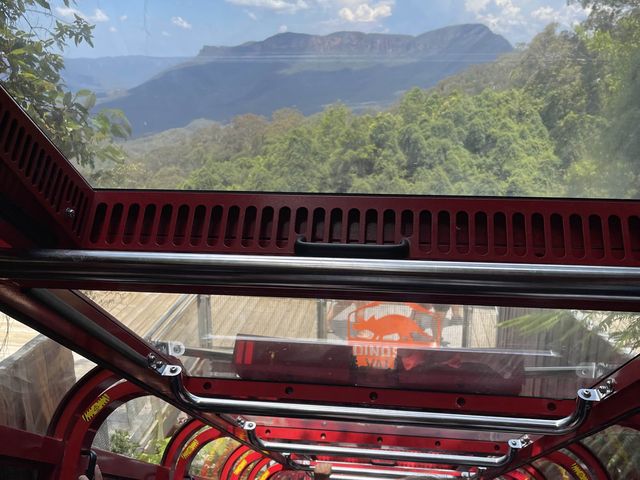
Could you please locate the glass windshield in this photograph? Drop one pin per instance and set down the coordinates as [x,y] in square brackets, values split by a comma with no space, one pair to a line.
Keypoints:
[456,348]
[462,97]
[35,375]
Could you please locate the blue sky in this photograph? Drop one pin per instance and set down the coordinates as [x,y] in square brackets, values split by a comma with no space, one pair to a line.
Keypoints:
[181,28]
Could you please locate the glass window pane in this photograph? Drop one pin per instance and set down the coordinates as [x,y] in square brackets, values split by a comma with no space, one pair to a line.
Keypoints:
[140,429]
[617,449]
[508,98]
[210,460]
[35,374]
[459,348]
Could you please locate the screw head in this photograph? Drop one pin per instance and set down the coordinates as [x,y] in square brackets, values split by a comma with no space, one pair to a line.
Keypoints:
[586,393]
[173,369]
[151,358]
[70,213]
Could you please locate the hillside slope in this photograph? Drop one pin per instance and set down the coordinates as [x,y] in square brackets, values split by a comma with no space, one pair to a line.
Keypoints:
[305,72]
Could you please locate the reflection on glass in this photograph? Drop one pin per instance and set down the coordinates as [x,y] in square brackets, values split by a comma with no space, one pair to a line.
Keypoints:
[140,429]
[472,349]
[209,460]
[617,449]
[35,374]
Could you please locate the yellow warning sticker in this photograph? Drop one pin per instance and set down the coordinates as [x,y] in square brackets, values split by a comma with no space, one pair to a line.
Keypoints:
[95,408]
[187,452]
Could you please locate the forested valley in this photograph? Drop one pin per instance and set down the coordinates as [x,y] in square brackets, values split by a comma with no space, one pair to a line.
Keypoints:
[557,117]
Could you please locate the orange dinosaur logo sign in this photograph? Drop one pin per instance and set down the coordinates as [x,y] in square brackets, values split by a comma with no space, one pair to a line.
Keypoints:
[376,333]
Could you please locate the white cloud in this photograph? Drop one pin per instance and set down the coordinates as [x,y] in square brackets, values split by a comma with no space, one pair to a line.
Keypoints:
[164,33]
[70,12]
[283,6]
[283,28]
[567,15]
[251,15]
[181,22]
[365,13]
[113,29]
[476,6]
[123,18]
[99,16]
[520,20]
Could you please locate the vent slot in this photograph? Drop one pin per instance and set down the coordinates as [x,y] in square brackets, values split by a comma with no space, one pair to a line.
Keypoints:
[500,233]
[406,224]
[519,234]
[181,225]
[197,226]
[284,223]
[557,236]
[576,236]
[634,236]
[302,216]
[249,226]
[389,227]
[424,231]
[266,226]
[353,226]
[98,222]
[147,224]
[231,229]
[335,226]
[537,235]
[462,232]
[371,226]
[114,222]
[215,224]
[481,245]
[596,236]
[616,242]
[164,224]
[130,223]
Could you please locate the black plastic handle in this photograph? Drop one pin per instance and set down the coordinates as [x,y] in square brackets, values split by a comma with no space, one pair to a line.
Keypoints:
[351,250]
[91,467]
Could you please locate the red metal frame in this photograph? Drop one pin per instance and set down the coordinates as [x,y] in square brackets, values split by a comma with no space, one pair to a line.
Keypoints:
[178,441]
[322,436]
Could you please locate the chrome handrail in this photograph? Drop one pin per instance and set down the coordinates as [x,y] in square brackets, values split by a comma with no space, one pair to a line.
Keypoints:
[378,453]
[309,275]
[542,426]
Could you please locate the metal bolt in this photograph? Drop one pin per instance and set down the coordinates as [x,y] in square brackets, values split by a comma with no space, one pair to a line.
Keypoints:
[173,370]
[70,213]
[151,358]
[159,364]
[586,393]
[604,389]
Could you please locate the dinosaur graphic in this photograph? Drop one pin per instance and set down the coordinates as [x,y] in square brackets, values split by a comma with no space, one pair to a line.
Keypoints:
[389,325]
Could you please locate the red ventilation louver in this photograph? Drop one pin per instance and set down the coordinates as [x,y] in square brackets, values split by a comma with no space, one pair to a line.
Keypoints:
[591,232]
[40,190]
[60,209]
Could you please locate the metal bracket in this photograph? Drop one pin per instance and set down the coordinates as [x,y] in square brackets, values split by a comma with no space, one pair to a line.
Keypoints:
[519,443]
[599,393]
[176,349]
[162,368]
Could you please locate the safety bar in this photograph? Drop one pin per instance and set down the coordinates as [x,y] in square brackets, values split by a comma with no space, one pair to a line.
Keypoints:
[372,476]
[340,471]
[308,275]
[378,453]
[420,418]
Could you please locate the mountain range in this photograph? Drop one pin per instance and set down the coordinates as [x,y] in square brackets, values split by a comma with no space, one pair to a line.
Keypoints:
[302,71]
